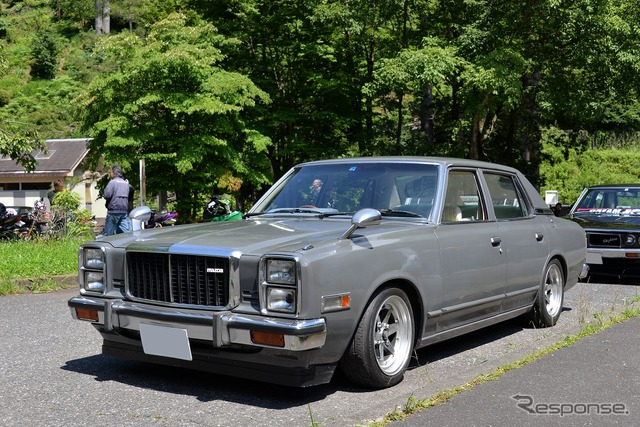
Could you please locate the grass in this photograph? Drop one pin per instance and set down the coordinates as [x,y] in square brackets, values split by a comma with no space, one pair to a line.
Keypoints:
[31,266]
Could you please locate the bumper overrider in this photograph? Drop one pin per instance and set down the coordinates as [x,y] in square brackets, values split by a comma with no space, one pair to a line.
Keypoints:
[584,272]
[243,345]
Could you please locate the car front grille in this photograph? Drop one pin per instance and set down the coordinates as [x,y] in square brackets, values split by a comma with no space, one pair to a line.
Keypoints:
[604,240]
[178,279]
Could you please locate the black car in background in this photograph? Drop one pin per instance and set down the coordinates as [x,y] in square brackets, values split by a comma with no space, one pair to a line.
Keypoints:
[610,216]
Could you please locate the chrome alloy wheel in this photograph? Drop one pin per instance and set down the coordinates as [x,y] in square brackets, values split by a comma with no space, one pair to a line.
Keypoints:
[553,290]
[392,332]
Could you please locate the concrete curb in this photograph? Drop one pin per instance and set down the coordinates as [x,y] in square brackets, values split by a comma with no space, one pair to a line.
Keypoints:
[64,281]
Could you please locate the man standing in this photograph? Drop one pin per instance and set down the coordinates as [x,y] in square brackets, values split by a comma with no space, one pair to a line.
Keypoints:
[58,186]
[116,193]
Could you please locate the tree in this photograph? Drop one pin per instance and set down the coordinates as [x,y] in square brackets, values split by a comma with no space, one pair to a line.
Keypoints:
[103,16]
[169,101]
[21,148]
[44,55]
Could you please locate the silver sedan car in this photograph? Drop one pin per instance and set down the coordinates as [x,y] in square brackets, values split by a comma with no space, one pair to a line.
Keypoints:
[350,264]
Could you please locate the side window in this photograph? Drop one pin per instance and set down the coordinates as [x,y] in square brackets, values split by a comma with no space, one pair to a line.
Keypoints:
[462,198]
[506,199]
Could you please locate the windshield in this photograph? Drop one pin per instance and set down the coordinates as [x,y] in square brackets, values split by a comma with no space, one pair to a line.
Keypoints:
[610,201]
[348,187]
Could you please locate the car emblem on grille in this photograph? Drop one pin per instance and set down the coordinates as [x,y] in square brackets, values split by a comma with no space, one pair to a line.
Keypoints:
[215,270]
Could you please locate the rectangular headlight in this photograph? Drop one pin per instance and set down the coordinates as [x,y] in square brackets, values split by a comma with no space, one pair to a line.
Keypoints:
[94,281]
[281,271]
[281,299]
[93,258]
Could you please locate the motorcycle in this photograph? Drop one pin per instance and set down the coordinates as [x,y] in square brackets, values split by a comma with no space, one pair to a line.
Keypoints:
[36,222]
[9,223]
[161,219]
[218,210]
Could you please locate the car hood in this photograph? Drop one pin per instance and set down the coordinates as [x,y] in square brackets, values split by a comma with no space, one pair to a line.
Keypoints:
[608,221]
[247,236]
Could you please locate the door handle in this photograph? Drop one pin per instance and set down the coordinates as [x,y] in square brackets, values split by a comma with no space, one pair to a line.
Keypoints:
[495,241]
[539,237]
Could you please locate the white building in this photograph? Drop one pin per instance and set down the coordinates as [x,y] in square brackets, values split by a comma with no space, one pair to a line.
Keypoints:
[63,160]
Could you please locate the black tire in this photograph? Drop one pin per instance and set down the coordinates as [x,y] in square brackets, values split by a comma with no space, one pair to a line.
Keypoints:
[382,345]
[548,304]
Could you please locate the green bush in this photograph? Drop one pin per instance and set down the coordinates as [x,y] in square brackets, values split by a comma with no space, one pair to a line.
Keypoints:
[44,55]
[68,220]
[569,165]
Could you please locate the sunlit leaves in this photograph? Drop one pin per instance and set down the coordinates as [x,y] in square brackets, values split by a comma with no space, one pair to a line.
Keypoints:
[169,101]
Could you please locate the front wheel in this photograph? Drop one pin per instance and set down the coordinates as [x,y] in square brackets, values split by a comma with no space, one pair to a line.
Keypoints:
[548,304]
[381,347]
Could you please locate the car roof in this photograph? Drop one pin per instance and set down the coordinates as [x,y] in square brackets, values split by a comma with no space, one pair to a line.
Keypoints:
[445,161]
[614,186]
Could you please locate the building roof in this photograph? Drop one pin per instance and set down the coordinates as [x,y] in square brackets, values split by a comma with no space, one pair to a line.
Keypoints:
[62,158]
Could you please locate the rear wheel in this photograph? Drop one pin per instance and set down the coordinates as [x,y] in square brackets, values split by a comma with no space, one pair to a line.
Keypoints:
[548,304]
[381,347]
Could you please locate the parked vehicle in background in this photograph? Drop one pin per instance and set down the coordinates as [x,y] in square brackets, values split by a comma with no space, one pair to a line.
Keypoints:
[351,262]
[161,219]
[9,222]
[218,209]
[36,221]
[610,215]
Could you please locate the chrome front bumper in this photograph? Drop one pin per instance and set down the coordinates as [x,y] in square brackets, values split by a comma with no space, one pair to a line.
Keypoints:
[220,328]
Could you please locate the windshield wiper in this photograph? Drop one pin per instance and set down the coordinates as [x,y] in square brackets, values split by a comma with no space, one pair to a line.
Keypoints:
[285,211]
[394,212]
[327,214]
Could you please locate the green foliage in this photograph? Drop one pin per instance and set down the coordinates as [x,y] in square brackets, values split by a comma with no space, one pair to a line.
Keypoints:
[44,54]
[169,101]
[67,219]
[20,148]
[569,166]
[66,201]
[189,92]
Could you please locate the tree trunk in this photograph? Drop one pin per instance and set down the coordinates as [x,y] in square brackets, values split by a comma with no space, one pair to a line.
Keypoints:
[399,125]
[427,113]
[103,16]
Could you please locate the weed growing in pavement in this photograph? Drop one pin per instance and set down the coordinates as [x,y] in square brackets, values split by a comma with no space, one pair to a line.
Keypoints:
[424,368]
[315,423]
[583,309]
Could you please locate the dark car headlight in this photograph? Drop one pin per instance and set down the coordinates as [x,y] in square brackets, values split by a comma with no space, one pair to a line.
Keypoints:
[630,240]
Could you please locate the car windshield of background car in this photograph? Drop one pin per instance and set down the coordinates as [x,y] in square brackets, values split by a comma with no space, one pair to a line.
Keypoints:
[617,202]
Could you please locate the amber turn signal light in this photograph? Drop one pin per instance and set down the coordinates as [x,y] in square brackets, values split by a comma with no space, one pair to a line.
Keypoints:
[267,338]
[87,314]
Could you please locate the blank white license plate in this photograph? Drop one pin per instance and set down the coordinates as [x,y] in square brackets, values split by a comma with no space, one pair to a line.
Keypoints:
[594,258]
[165,341]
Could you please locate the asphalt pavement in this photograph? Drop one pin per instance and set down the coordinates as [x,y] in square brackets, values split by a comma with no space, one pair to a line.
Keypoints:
[593,382]
[52,374]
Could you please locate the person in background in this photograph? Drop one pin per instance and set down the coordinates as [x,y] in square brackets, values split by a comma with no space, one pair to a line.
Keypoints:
[58,186]
[117,193]
[316,186]
[557,209]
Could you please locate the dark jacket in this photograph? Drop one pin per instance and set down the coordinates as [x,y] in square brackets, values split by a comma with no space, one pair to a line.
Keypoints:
[116,193]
